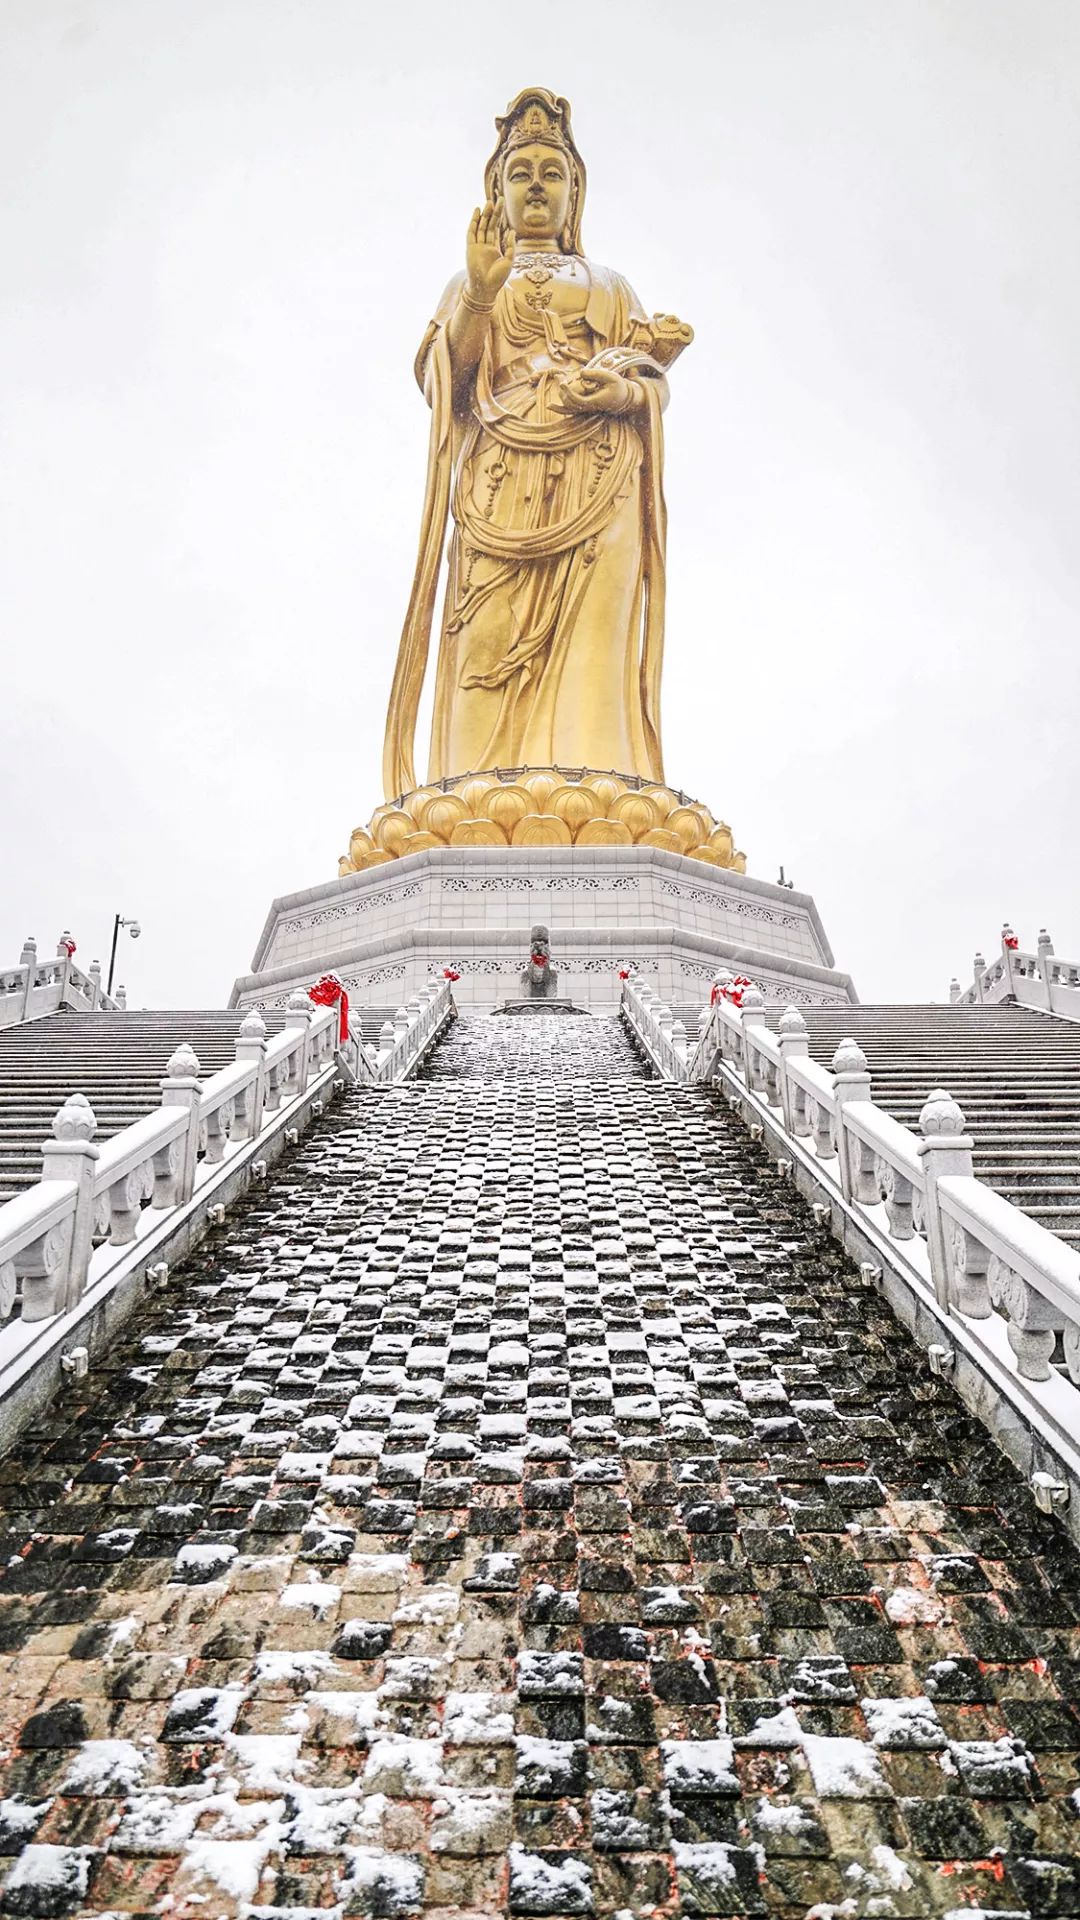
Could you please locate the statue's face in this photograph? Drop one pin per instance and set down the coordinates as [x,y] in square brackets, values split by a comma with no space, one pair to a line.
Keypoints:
[536,192]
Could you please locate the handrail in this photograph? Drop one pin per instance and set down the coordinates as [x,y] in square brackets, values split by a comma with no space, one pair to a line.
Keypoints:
[661,1036]
[1039,980]
[94,1196]
[1037,1256]
[36,1239]
[134,1144]
[38,987]
[407,1038]
[1009,1288]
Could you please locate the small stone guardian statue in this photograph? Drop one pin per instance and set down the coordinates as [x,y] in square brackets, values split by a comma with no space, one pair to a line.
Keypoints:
[539,979]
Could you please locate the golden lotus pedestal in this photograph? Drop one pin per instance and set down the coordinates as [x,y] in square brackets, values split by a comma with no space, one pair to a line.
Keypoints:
[542,807]
[621,870]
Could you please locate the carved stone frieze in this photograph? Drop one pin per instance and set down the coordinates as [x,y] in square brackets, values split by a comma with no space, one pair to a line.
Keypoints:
[357,903]
[526,883]
[729,903]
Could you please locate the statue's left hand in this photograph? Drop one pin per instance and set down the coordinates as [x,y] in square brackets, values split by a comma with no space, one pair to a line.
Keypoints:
[596,390]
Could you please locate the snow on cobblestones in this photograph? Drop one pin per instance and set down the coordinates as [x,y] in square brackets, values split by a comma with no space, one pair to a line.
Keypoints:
[901,1724]
[48,1880]
[549,1883]
[203,1562]
[479,1719]
[842,1768]
[521,1507]
[403,1768]
[105,1767]
[233,1866]
[699,1766]
[319,1597]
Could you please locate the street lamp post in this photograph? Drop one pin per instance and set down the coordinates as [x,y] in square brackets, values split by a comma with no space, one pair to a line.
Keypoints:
[134,929]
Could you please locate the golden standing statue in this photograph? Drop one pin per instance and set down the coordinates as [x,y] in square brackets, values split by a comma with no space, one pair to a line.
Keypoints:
[546,382]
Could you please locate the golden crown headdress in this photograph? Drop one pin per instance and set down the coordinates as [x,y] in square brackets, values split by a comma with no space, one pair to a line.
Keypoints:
[534,123]
[537,116]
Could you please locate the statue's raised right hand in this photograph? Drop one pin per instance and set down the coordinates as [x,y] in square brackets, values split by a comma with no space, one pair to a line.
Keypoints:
[489,254]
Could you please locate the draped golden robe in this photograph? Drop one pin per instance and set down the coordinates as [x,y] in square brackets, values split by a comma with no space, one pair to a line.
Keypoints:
[553,621]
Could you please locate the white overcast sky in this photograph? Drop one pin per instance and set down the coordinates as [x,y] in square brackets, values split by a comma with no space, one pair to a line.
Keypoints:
[223,227]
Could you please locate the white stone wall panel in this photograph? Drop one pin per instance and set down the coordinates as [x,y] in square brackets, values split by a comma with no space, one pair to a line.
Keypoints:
[389,929]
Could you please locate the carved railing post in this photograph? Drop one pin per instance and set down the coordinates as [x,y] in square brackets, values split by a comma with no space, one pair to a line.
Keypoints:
[852,1087]
[94,975]
[955,990]
[63,954]
[298,1015]
[753,1015]
[792,1041]
[1045,949]
[120,996]
[729,1045]
[944,1149]
[324,1044]
[69,1155]
[251,1048]
[180,1088]
[1008,947]
[665,1022]
[353,1048]
[28,959]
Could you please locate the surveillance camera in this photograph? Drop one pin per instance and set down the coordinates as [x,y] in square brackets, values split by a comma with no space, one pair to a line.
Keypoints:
[134,929]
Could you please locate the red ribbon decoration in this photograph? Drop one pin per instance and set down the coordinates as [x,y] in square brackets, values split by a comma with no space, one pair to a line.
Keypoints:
[69,947]
[624,973]
[327,992]
[1010,941]
[450,973]
[539,959]
[732,992]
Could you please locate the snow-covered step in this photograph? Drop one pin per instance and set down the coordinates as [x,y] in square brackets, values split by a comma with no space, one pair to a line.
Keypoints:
[521,1507]
[117,1060]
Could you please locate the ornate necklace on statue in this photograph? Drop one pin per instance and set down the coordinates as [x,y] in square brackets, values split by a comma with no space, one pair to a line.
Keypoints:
[538,269]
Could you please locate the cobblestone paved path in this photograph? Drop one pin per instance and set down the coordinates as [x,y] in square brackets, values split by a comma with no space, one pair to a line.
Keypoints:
[519,1507]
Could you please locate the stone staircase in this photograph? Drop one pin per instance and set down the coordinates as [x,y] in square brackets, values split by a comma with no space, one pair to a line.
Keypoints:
[521,1507]
[1015,1072]
[507,1047]
[116,1059]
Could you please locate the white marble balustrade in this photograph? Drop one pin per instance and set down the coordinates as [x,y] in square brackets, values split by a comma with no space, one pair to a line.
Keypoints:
[1001,1285]
[406,1038]
[93,1201]
[1039,979]
[661,1037]
[37,987]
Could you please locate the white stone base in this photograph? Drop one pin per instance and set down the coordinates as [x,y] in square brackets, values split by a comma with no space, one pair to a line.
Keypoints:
[391,928]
